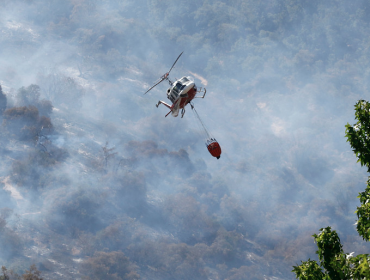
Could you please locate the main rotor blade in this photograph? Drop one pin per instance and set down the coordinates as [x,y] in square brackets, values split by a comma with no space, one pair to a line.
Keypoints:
[155,84]
[164,77]
[175,62]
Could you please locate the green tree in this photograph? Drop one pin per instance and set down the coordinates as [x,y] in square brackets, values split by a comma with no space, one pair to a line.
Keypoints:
[334,263]
[358,136]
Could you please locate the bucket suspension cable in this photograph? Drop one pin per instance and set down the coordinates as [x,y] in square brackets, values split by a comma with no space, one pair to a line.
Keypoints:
[212,145]
[200,121]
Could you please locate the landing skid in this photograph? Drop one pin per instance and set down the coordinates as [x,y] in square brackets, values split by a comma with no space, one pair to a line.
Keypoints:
[164,103]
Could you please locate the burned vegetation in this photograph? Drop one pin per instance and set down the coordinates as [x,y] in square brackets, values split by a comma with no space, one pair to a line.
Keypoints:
[28,124]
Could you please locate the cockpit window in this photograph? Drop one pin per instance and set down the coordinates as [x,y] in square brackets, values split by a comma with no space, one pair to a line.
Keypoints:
[184,80]
[180,86]
[174,92]
[177,88]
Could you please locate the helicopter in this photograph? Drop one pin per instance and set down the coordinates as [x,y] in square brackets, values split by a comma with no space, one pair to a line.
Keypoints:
[181,92]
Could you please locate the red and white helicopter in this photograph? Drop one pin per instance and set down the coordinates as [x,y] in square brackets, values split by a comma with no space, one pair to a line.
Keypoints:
[180,92]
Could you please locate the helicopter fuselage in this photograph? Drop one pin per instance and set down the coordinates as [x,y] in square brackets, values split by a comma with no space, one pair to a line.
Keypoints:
[181,93]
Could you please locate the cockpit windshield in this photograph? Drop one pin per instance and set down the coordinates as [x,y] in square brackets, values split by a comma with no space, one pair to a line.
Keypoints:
[178,87]
[184,80]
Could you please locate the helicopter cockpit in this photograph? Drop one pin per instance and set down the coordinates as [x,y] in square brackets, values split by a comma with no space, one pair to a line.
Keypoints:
[174,91]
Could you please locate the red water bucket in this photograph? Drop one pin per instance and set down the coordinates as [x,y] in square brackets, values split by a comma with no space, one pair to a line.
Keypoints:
[214,148]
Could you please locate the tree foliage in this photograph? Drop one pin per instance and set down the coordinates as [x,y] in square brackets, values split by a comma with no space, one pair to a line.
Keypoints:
[358,136]
[363,213]
[24,123]
[32,274]
[330,252]
[30,96]
[334,263]
[110,266]
[30,118]
[308,270]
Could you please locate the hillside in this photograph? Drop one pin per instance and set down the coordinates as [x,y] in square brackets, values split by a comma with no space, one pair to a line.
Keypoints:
[96,183]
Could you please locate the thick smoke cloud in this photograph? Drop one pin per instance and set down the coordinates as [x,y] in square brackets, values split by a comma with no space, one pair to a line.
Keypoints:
[91,172]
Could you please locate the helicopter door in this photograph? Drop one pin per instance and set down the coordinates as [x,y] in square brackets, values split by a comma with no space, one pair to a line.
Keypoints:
[173,96]
[175,92]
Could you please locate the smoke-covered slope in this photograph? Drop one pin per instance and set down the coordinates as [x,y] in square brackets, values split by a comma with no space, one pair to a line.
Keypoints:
[97,183]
